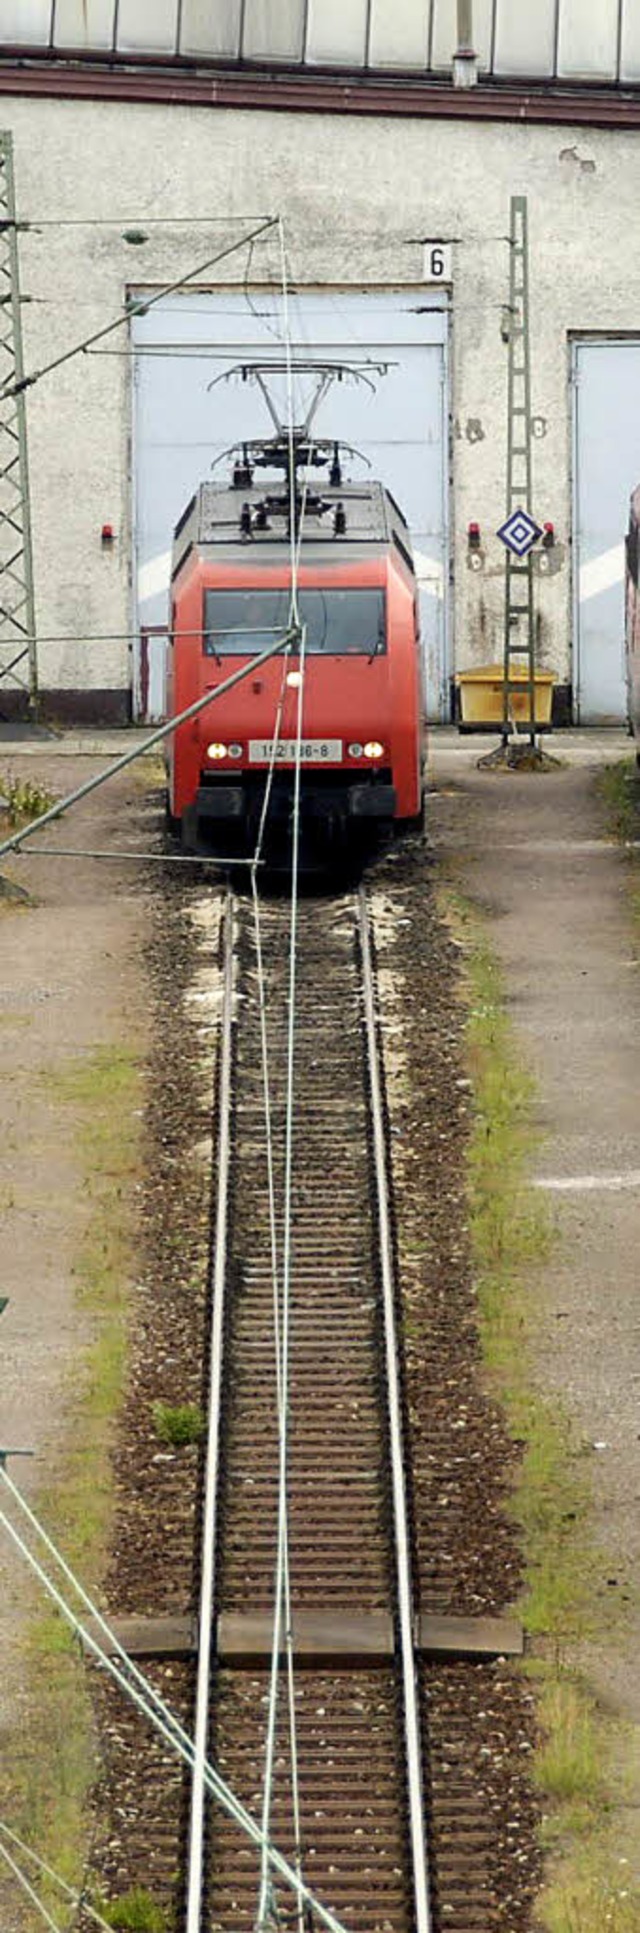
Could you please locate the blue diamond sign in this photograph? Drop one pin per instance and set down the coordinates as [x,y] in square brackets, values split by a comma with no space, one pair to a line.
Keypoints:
[519,533]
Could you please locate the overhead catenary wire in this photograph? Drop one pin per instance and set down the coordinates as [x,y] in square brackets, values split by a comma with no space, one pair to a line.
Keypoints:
[209,1514]
[138,306]
[196,1831]
[282,1582]
[196,1825]
[282,1594]
[132,1681]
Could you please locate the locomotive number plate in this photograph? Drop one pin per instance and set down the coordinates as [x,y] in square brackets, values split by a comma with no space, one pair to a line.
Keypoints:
[313,751]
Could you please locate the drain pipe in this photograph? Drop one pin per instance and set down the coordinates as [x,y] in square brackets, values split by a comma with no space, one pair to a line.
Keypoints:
[465,61]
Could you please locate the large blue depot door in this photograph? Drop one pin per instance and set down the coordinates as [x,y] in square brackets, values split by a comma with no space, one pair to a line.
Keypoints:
[606,468]
[181,426]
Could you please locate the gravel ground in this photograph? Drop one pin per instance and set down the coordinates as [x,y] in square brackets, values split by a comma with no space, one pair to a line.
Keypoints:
[535,854]
[71,984]
[151,963]
[475,1565]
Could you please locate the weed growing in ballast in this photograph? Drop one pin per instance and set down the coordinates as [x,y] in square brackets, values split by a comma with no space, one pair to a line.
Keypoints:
[178,1423]
[21,800]
[134,1912]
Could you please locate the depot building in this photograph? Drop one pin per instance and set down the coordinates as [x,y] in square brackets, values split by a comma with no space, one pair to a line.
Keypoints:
[214,177]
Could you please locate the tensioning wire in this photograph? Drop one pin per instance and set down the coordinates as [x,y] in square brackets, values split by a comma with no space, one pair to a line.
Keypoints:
[32,223]
[77,1899]
[139,306]
[156,737]
[26,1887]
[154,858]
[266,1088]
[141,1692]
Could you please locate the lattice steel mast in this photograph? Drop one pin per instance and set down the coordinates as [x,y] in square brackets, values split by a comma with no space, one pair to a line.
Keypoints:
[18,659]
[519,583]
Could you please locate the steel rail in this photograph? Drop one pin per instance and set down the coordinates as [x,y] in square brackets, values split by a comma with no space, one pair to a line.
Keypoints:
[415,1787]
[212,1473]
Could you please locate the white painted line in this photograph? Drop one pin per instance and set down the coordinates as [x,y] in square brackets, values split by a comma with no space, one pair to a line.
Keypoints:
[561,845]
[555,845]
[585,1184]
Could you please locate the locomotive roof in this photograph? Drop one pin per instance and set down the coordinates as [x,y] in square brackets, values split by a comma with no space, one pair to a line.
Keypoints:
[211,521]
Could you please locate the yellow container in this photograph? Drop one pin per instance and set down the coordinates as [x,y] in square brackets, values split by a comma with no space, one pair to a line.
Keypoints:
[481,697]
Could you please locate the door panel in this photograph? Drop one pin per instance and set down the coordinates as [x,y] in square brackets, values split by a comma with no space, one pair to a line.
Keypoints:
[606,470]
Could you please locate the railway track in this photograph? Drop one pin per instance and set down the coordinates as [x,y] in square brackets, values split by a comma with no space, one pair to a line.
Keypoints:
[393,1835]
[341,1526]
[463,1753]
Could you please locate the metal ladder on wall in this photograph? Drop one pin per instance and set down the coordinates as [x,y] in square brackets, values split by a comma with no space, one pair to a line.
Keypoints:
[519,612]
[18,659]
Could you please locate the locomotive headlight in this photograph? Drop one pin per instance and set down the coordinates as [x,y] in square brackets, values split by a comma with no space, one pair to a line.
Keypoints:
[355,751]
[373,749]
[294,678]
[217,751]
[235,751]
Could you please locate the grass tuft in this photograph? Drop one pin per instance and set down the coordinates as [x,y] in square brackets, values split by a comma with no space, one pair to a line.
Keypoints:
[178,1424]
[568,1763]
[591,1905]
[23,800]
[134,1912]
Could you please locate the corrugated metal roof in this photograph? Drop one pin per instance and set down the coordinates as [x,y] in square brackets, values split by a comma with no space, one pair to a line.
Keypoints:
[556,40]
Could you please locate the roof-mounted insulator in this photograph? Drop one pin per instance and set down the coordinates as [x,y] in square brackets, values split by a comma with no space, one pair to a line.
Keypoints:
[339,520]
[245,520]
[242,471]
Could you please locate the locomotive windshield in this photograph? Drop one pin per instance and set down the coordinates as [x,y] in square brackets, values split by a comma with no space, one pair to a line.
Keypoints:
[339,622]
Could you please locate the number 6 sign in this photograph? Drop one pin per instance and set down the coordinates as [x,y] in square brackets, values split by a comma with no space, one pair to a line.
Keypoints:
[437,262]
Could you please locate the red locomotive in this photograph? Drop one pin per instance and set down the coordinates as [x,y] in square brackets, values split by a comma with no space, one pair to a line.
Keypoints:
[362,730]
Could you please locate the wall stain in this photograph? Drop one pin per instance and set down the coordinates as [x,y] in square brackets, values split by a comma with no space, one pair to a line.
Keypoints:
[575,163]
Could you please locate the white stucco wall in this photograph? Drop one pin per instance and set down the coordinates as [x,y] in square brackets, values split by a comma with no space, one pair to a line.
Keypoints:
[356,194]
